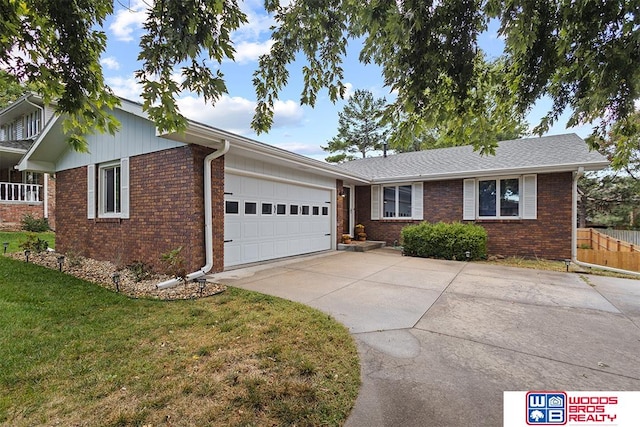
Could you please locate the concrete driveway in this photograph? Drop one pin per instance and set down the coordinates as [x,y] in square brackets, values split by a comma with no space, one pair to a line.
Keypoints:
[440,341]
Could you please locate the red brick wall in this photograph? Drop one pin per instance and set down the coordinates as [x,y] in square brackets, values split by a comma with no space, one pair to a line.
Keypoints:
[12,213]
[549,236]
[51,192]
[166,212]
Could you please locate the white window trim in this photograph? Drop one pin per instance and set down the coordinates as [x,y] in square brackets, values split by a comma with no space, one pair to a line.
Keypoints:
[497,179]
[377,202]
[102,190]
[244,208]
[240,205]
[96,190]
[527,203]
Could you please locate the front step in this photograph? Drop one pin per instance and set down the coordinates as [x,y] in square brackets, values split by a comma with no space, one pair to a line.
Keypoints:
[365,246]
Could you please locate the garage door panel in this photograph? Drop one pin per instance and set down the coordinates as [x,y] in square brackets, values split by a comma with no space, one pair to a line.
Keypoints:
[267,228]
[280,232]
[282,228]
[233,231]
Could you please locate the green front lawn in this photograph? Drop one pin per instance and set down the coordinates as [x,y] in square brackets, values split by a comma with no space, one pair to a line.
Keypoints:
[74,353]
[15,238]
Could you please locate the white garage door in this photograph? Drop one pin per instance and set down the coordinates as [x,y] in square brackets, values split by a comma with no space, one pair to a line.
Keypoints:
[266,219]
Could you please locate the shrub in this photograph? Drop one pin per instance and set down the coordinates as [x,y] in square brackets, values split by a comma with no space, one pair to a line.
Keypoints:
[35,225]
[447,241]
[174,264]
[34,244]
[140,270]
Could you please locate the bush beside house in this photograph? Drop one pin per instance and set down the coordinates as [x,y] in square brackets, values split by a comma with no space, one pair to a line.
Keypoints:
[443,240]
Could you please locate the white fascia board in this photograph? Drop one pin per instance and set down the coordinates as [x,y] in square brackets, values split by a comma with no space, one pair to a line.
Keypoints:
[494,172]
[12,150]
[132,107]
[298,160]
[201,134]
[36,166]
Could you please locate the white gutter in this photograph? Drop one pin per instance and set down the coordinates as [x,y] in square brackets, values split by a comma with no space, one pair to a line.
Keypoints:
[208,221]
[574,231]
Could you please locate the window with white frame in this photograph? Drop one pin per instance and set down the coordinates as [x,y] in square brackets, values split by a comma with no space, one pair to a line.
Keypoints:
[511,197]
[397,201]
[112,195]
[10,131]
[109,185]
[31,124]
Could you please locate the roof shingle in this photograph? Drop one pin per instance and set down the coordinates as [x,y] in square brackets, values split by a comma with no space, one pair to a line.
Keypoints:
[557,153]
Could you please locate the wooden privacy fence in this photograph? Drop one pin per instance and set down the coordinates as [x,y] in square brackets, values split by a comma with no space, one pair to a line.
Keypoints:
[598,248]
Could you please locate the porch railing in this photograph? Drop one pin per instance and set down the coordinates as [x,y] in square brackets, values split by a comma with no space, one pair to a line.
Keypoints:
[12,192]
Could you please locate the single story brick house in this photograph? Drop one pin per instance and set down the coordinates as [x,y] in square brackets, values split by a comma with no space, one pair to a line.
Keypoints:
[23,193]
[227,200]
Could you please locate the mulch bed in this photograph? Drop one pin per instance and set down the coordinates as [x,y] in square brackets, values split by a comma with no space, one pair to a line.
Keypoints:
[101,273]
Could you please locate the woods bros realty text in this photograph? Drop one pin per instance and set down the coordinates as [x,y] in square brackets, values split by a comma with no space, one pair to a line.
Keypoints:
[571,408]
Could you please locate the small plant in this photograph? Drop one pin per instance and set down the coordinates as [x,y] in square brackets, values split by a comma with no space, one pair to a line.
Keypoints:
[34,244]
[585,246]
[140,270]
[74,259]
[35,225]
[175,264]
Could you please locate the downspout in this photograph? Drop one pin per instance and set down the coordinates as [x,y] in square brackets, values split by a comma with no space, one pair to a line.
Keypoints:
[208,221]
[574,231]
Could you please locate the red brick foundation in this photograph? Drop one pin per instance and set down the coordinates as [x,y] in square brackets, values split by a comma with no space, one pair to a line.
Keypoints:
[11,213]
[166,212]
[548,236]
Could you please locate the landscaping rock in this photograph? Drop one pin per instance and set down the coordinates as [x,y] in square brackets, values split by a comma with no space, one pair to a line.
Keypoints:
[101,273]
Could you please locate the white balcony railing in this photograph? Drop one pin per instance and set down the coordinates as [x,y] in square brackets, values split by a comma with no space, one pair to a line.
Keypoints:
[11,192]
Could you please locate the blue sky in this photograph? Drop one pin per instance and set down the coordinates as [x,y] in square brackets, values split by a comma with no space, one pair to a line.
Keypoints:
[301,129]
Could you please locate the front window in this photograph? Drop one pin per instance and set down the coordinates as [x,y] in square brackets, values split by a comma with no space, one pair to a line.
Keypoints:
[397,201]
[31,124]
[110,186]
[498,198]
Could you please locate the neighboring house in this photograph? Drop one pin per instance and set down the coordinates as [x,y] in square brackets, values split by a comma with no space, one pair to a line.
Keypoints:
[25,192]
[227,200]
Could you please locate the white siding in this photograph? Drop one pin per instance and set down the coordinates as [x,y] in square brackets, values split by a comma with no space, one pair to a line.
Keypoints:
[136,136]
[235,162]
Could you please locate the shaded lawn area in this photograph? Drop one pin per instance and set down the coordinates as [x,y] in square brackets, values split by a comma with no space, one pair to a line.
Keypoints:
[74,353]
[16,238]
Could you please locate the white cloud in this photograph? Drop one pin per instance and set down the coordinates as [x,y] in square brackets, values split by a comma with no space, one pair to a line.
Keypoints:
[251,51]
[127,88]
[234,114]
[305,149]
[129,19]
[110,63]
[348,91]
[287,114]
[259,23]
